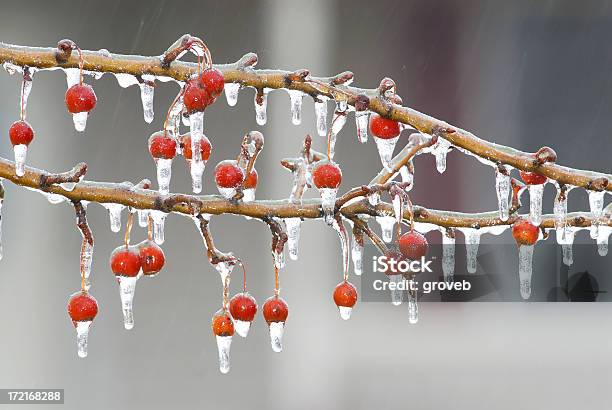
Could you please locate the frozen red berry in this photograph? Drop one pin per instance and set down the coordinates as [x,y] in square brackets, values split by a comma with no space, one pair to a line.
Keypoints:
[80,98]
[251,181]
[213,81]
[525,233]
[531,178]
[152,257]
[413,245]
[125,261]
[196,97]
[21,133]
[345,294]
[275,309]
[327,175]
[243,307]
[383,128]
[161,145]
[205,146]
[82,307]
[222,324]
[228,174]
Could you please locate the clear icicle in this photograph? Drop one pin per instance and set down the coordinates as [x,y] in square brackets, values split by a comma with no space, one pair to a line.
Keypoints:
[125,80]
[159,219]
[143,218]
[147,92]
[596,203]
[535,203]
[127,287]
[73,76]
[602,240]
[223,346]
[397,294]
[345,312]
[320,106]
[231,93]
[196,123]
[344,244]
[82,331]
[293,236]
[357,256]
[502,188]
[525,269]
[260,109]
[560,210]
[448,257]
[386,225]
[440,151]
[565,238]
[21,151]
[338,122]
[398,210]
[413,307]
[276,336]
[114,214]
[385,151]
[472,241]
[297,98]
[242,327]
[87,259]
[196,169]
[361,122]
[224,268]
[80,120]
[328,203]
[164,173]
[26,89]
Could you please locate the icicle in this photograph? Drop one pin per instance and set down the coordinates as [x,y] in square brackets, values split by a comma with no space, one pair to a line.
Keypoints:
[361,122]
[397,293]
[127,287]
[293,236]
[328,203]
[73,76]
[114,213]
[357,256]
[344,244]
[276,336]
[143,218]
[125,80]
[320,106]
[602,240]
[223,346]
[87,259]
[242,327]
[338,122]
[596,202]
[21,151]
[297,98]
[80,120]
[387,223]
[345,312]
[196,165]
[224,268]
[231,93]
[472,240]
[174,118]
[560,210]
[26,89]
[413,307]
[448,257]
[535,203]
[398,210]
[525,269]
[159,218]
[502,188]
[565,238]
[164,173]
[261,106]
[439,151]
[385,151]
[147,92]
[82,331]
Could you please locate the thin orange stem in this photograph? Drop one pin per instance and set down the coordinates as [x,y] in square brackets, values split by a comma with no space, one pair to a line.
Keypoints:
[149,227]
[276,281]
[128,229]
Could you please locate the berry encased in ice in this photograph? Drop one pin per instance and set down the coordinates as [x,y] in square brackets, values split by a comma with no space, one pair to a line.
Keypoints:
[383,128]
[531,178]
[213,81]
[222,324]
[228,174]
[125,261]
[345,294]
[80,98]
[162,146]
[152,257]
[196,97]
[205,146]
[327,175]
[82,307]
[21,132]
[275,310]
[525,233]
[413,245]
[251,181]
[243,307]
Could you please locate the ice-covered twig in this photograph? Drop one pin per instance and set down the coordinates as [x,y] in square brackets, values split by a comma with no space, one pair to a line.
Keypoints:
[81,222]
[215,256]
[72,176]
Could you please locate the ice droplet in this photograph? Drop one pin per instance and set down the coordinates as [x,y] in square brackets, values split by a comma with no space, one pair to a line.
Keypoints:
[440,151]
[231,93]
[196,170]
[223,346]
[164,174]
[535,203]
[448,257]
[296,97]
[361,122]
[242,327]
[413,307]
[125,80]
[502,188]
[276,336]
[159,219]
[73,76]
[525,269]
[386,225]
[320,106]
[21,151]
[397,293]
[127,287]
[260,109]
[143,218]
[80,120]
[602,240]
[338,122]
[114,214]
[328,203]
[472,241]
[82,331]
[596,203]
[147,92]
[345,312]
[385,151]
[54,199]
[357,256]
[293,236]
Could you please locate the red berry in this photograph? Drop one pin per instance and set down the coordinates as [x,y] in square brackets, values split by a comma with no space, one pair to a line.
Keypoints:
[161,145]
[196,97]
[125,261]
[413,245]
[152,257]
[327,175]
[383,128]
[525,233]
[531,178]
[80,98]
[222,324]
[345,294]
[243,307]
[213,81]
[82,307]
[205,147]
[251,181]
[228,174]
[21,133]
[275,310]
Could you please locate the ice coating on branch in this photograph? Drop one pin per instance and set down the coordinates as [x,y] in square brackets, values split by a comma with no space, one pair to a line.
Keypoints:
[21,152]
[397,294]
[82,331]
[385,151]
[525,269]
[143,218]
[328,203]
[80,120]
[293,236]
[320,106]
[276,336]
[406,177]
[125,80]
[357,256]
[413,307]
[361,122]
[602,239]
[196,121]
[386,226]
[68,186]
[338,121]
[11,68]
[73,76]
[159,218]
[296,98]
[565,238]
[231,93]
[224,268]
[440,150]
[223,346]
[448,257]
[535,203]
[114,214]
[127,287]
[147,92]
[54,199]
[261,104]
[164,173]
[596,203]
[502,189]
[472,241]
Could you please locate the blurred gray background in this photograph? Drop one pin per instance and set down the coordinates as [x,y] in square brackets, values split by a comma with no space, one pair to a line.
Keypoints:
[522,73]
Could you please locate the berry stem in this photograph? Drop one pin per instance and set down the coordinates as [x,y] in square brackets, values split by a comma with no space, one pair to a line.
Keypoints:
[174,102]
[26,74]
[244,276]
[226,292]
[276,279]
[82,264]
[150,227]
[128,229]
